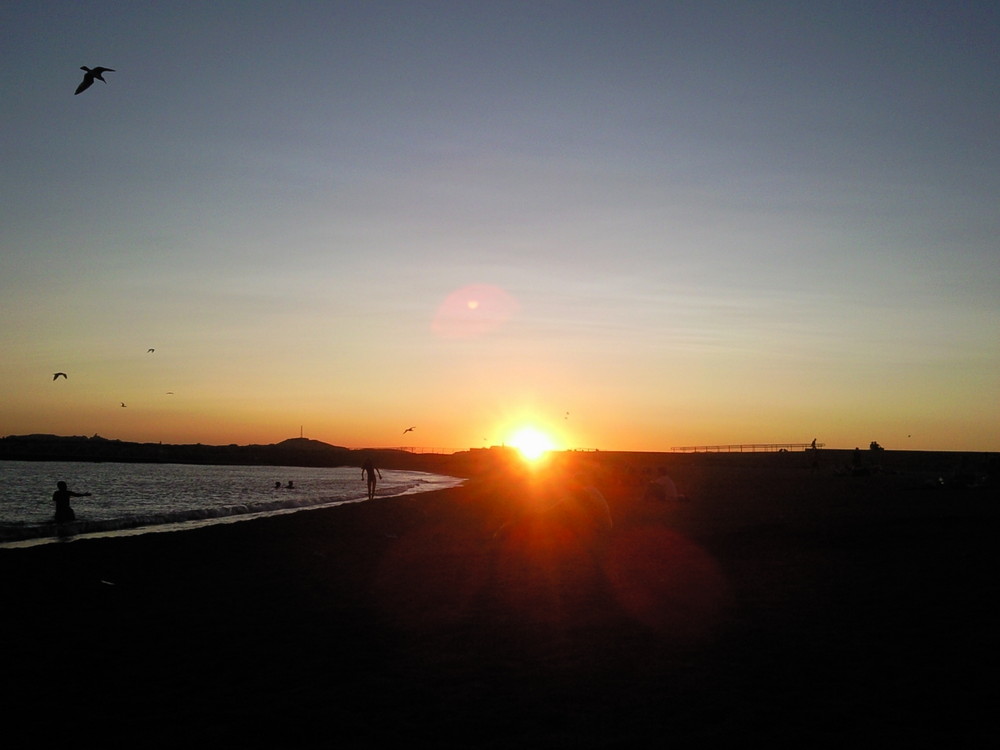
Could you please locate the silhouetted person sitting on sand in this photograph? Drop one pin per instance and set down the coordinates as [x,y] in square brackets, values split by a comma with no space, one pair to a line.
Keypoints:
[368,469]
[64,513]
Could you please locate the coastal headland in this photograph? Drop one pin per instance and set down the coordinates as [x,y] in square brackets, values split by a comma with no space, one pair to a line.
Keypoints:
[291,452]
[785,597]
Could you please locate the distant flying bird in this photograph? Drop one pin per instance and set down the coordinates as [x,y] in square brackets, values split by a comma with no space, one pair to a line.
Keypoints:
[58,375]
[123,404]
[150,351]
[409,429]
[90,75]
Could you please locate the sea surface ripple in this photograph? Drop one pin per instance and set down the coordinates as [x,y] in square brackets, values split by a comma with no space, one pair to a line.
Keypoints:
[143,498]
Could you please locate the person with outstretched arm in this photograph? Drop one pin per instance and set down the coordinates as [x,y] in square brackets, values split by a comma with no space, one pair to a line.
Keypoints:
[64,513]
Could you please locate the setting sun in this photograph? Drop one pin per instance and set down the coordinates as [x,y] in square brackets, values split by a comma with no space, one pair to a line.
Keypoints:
[531,442]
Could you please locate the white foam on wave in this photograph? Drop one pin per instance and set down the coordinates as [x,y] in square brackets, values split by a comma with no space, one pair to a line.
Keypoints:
[25,534]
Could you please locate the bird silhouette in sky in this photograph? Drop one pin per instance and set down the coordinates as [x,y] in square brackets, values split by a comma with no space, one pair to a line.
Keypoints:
[90,75]
[59,375]
[150,351]
[409,429]
[123,404]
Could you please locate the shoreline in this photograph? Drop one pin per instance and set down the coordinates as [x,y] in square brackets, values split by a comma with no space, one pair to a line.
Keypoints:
[49,532]
[773,602]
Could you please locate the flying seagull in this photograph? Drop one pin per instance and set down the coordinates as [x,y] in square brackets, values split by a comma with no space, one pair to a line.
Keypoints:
[123,404]
[58,375]
[150,351]
[409,429]
[90,75]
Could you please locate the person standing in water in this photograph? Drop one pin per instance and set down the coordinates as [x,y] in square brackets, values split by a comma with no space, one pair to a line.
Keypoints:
[64,513]
[369,470]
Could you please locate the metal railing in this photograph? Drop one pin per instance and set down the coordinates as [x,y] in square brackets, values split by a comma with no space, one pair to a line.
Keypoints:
[423,449]
[747,448]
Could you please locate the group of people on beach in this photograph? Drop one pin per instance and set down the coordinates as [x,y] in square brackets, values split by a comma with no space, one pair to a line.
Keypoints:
[65,514]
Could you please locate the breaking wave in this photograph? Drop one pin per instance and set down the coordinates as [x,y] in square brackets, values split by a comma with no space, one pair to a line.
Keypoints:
[141,515]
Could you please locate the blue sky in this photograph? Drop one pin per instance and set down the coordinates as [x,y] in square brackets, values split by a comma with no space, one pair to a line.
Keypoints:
[688,223]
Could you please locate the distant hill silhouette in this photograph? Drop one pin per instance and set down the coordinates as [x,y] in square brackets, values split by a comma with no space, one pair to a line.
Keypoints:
[291,452]
[307,452]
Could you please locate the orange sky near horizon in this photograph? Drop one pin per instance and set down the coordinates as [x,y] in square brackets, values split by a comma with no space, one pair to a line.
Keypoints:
[633,226]
[478,402]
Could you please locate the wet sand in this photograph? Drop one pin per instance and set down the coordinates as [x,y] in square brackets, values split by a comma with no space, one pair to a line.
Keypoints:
[778,602]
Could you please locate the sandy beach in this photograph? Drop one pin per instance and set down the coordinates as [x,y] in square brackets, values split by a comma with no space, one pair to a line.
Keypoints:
[776,600]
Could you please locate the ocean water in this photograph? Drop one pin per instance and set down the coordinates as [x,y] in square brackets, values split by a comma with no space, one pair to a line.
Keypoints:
[145,498]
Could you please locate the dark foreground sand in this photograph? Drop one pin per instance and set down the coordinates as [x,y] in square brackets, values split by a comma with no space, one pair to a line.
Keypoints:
[778,603]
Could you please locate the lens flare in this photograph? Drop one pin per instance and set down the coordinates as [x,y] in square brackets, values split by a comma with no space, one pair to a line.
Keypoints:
[472,311]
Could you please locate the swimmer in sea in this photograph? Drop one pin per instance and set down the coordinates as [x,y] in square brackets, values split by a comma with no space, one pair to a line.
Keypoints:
[64,513]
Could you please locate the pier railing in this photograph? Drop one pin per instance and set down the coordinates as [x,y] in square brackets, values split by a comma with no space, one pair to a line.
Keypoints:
[746,448]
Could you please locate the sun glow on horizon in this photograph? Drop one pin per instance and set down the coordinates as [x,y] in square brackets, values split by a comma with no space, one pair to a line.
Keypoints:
[531,442]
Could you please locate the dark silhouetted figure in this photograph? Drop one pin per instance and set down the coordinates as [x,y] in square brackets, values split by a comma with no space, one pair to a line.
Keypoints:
[90,75]
[59,375]
[369,471]
[409,429]
[64,513]
[290,486]
[858,467]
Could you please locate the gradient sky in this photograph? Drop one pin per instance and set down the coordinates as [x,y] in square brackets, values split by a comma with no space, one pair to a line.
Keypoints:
[638,225]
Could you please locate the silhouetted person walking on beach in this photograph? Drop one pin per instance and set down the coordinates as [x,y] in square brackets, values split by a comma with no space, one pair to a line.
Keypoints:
[64,513]
[369,470]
